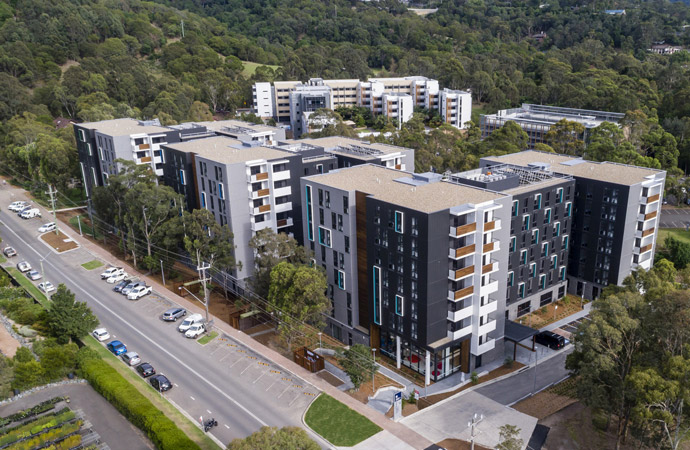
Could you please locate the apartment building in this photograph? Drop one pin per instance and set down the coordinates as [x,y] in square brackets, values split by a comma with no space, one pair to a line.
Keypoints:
[615,212]
[351,152]
[540,228]
[430,300]
[537,120]
[394,98]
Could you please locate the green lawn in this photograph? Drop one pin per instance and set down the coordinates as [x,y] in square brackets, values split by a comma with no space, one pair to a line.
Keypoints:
[250,68]
[677,233]
[86,230]
[95,264]
[338,424]
[28,286]
[188,427]
[208,338]
[2,260]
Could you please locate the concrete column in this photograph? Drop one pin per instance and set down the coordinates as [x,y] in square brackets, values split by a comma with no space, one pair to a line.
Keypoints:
[427,369]
[397,351]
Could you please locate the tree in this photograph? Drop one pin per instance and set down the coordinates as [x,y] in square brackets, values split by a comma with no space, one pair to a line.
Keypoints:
[358,363]
[510,138]
[270,248]
[509,436]
[150,207]
[297,298]
[199,112]
[286,438]
[678,252]
[565,137]
[207,241]
[68,318]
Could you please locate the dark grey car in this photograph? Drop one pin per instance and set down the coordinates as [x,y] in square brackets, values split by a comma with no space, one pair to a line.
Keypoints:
[119,286]
[173,314]
[132,284]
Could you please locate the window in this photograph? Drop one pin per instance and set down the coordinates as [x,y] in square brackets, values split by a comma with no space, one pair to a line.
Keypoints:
[533,269]
[554,261]
[545,248]
[525,222]
[341,280]
[203,200]
[333,222]
[398,222]
[559,195]
[377,294]
[341,260]
[557,229]
[523,256]
[521,290]
[547,215]
[183,180]
[328,199]
[537,201]
[568,209]
[88,147]
[511,278]
[535,236]
[335,258]
[562,273]
[346,205]
[310,218]
[100,151]
[347,244]
[399,305]
[82,136]
[319,168]
[324,236]
[340,222]
[220,191]
[320,197]
[513,242]
[565,242]
[542,281]
[516,206]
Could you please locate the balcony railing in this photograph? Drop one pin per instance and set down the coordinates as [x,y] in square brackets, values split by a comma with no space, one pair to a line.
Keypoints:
[457,316]
[488,268]
[460,273]
[463,230]
[490,247]
[651,215]
[453,335]
[492,226]
[461,293]
[145,159]
[462,251]
[651,199]
[646,233]
[646,248]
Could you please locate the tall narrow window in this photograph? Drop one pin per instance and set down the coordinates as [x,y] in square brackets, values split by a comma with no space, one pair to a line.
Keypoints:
[533,269]
[547,216]
[537,201]
[183,180]
[82,136]
[523,256]
[511,278]
[516,207]
[377,294]
[513,243]
[525,222]
[203,199]
[220,191]
[310,213]
[559,195]
[565,242]
[398,222]
[542,281]
[557,229]
[341,279]
[568,209]
[399,305]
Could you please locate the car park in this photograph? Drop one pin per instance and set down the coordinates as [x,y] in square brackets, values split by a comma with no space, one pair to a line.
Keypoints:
[26,207]
[117,347]
[110,271]
[34,275]
[160,383]
[131,358]
[189,321]
[46,286]
[146,370]
[101,334]
[30,213]
[550,339]
[139,292]
[24,267]
[17,206]
[195,331]
[50,226]
[132,284]
[118,287]
[116,278]
[9,252]
[173,314]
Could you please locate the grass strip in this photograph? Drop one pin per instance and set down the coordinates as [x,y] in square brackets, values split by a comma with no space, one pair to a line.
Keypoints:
[28,286]
[95,264]
[189,428]
[2,259]
[337,423]
[678,233]
[208,338]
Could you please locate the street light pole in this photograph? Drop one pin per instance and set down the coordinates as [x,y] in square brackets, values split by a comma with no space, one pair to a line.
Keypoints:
[472,424]
[536,362]
[373,373]
[162,272]
[319,340]
[582,297]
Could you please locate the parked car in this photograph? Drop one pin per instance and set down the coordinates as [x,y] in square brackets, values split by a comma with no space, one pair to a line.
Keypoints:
[116,278]
[46,286]
[50,226]
[17,206]
[139,292]
[131,358]
[195,331]
[34,275]
[132,284]
[101,334]
[173,314]
[146,370]
[26,207]
[189,321]
[550,339]
[160,383]
[24,266]
[118,287]
[9,252]
[110,271]
[31,213]
[117,347]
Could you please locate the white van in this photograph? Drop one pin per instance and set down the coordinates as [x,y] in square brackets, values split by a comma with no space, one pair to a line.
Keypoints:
[31,213]
[189,321]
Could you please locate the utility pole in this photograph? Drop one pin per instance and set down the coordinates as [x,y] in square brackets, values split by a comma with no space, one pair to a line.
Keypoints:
[52,193]
[182,25]
[202,276]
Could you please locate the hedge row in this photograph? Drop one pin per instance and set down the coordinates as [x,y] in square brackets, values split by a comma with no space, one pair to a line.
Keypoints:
[162,431]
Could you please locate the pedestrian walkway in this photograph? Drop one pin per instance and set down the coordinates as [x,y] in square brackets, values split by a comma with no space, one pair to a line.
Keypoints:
[566,320]
[340,373]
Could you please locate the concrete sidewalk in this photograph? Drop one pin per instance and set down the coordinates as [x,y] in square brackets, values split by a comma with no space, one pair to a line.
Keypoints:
[403,433]
[578,315]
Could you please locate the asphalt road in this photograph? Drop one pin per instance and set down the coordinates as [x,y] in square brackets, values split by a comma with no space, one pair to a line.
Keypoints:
[674,218]
[222,379]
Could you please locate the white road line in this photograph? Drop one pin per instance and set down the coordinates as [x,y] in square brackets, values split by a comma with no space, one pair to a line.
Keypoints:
[176,385]
[192,398]
[227,426]
[259,377]
[209,411]
[271,385]
[281,394]
[154,343]
[245,369]
[233,364]
[294,399]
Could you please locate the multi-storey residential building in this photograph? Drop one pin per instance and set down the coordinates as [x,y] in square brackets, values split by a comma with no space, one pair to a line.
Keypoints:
[537,120]
[245,131]
[395,98]
[540,228]
[615,210]
[431,300]
[352,152]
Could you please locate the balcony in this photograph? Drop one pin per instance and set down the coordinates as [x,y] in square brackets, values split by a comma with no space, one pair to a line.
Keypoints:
[460,294]
[284,223]
[646,248]
[261,176]
[461,252]
[463,230]
[492,267]
[453,335]
[145,159]
[260,225]
[489,307]
[282,192]
[144,147]
[457,316]
[651,199]
[490,247]
[486,328]
[646,217]
[261,209]
[485,347]
[459,274]
[282,175]
[287,206]
[492,226]
[259,194]
[489,288]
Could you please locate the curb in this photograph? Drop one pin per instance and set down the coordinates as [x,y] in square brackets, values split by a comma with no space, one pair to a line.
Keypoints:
[310,430]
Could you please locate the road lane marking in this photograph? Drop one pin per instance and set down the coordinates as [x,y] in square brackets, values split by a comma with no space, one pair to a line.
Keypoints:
[260,376]
[209,411]
[286,389]
[271,385]
[245,369]
[154,343]
[226,426]
[192,398]
[233,364]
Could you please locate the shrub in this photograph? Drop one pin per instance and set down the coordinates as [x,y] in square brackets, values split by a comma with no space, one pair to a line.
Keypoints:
[508,362]
[474,377]
[600,420]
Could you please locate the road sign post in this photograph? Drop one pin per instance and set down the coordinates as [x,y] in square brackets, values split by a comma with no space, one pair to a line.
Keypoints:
[397,406]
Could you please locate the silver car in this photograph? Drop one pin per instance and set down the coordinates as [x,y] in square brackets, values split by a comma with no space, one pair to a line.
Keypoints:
[173,314]
[34,275]
[131,358]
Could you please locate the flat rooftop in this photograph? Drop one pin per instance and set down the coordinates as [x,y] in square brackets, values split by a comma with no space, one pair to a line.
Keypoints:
[578,167]
[236,126]
[540,114]
[381,183]
[124,127]
[332,143]
[226,150]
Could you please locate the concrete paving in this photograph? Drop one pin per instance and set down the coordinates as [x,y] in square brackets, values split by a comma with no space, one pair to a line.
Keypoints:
[450,418]
[674,218]
[383,440]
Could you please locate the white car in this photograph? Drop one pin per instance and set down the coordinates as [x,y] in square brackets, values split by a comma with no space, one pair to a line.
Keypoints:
[50,226]
[116,278]
[34,275]
[17,206]
[46,287]
[24,267]
[110,271]
[30,213]
[195,330]
[138,292]
[131,358]
[101,334]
